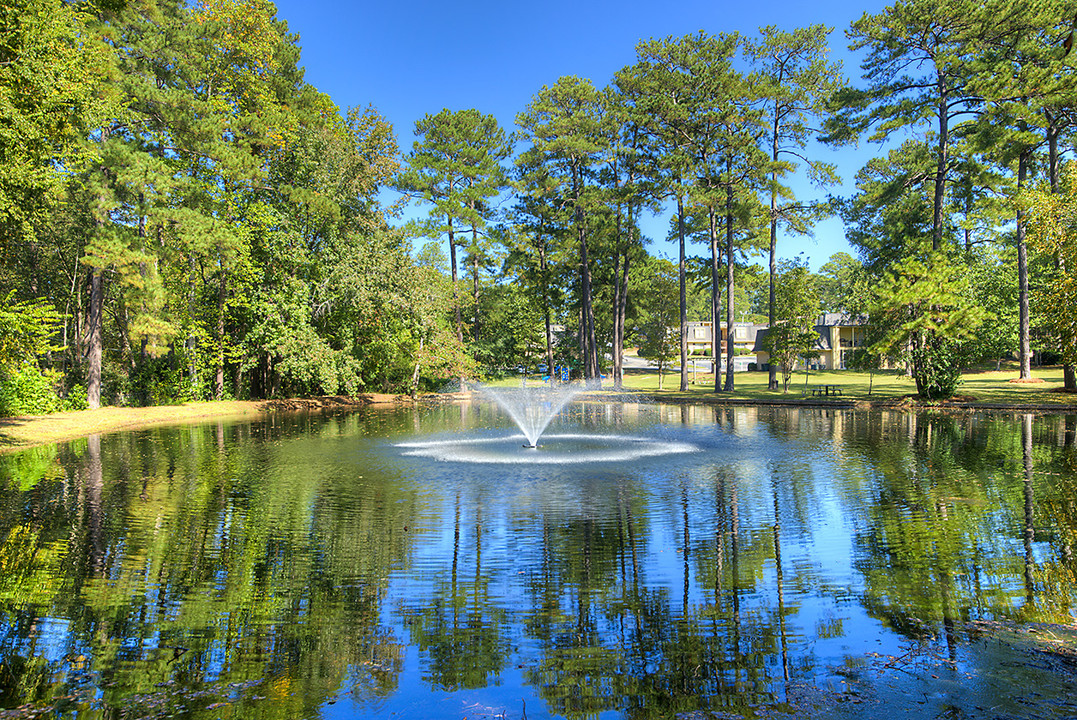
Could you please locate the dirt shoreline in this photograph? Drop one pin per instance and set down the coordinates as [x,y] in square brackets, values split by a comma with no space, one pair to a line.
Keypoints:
[19,433]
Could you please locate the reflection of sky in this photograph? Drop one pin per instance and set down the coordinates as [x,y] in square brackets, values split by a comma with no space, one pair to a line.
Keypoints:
[827,496]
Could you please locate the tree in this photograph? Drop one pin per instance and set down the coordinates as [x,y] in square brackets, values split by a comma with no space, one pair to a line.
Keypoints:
[702,125]
[567,126]
[658,285]
[994,285]
[797,80]
[1029,102]
[455,167]
[53,91]
[792,335]
[539,223]
[665,93]
[1052,218]
[924,307]
[917,73]
[844,285]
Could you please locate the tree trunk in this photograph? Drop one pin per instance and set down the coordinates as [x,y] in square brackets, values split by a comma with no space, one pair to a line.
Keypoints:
[617,359]
[93,353]
[1069,376]
[729,278]
[590,342]
[683,291]
[455,295]
[619,293]
[475,280]
[624,313]
[772,374]
[716,300]
[415,371]
[191,344]
[222,295]
[546,308]
[941,168]
[1022,271]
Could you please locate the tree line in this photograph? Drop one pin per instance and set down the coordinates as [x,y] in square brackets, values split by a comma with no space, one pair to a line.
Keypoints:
[184,217]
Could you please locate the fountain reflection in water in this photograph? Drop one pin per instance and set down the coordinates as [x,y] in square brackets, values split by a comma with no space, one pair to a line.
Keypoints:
[533,408]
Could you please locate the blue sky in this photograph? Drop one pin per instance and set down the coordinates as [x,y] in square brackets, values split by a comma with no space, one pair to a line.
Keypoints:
[408,59]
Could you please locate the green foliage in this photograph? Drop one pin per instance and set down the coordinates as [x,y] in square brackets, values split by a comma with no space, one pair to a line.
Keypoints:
[656,290]
[25,390]
[796,305]
[232,215]
[53,90]
[993,280]
[937,363]
[1053,237]
[26,330]
[26,468]
[844,285]
[925,307]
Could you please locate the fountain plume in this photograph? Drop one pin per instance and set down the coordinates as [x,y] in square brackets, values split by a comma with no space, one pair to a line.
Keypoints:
[532,408]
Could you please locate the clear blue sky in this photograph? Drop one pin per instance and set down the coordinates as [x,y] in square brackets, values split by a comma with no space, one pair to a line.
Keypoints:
[408,59]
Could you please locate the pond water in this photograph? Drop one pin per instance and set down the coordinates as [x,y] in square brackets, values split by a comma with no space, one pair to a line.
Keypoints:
[737,562]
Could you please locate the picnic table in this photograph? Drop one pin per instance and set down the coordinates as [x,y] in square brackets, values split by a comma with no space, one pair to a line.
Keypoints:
[827,390]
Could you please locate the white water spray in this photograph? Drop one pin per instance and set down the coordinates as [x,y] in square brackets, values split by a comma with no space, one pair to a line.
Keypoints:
[532,408]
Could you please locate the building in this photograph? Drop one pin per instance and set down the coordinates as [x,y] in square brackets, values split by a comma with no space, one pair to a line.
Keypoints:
[839,336]
[701,336]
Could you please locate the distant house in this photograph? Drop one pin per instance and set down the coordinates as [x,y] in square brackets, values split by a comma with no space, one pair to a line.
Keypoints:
[839,336]
[701,336]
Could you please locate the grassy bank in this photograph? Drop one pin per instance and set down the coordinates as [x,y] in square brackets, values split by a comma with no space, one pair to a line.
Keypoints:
[986,388]
[22,432]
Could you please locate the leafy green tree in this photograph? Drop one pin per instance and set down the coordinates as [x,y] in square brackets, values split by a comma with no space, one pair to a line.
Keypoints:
[994,286]
[1028,105]
[27,332]
[797,80]
[844,285]
[665,93]
[566,125]
[1052,218]
[533,244]
[924,306]
[917,73]
[793,334]
[658,284]
[889,217]
[54,92]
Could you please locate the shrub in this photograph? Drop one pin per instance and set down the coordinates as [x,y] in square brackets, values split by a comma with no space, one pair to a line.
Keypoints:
[25,390]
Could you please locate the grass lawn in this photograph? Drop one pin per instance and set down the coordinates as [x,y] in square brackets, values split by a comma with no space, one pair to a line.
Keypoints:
[987,387]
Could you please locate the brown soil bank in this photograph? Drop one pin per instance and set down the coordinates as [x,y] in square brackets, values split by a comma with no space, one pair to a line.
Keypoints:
[21,432]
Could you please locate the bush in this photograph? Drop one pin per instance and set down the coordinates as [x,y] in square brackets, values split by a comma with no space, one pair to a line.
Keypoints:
[937,364]
[75,399]
[25,390]
[156,382]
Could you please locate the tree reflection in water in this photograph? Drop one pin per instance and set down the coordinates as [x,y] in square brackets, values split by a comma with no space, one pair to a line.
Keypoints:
[804,562]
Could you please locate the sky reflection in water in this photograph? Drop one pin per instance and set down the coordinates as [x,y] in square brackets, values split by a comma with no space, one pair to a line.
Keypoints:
[728,562]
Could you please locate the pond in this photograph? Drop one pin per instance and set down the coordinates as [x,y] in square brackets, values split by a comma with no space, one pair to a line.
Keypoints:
[775,562]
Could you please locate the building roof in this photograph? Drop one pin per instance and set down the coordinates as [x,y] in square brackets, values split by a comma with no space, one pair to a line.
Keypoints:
[840,318]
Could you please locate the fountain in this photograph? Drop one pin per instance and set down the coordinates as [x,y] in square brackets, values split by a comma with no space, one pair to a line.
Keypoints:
[532,409]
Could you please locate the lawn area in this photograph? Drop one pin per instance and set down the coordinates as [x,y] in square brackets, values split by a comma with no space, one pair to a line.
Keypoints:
[988,387]
[981,386]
